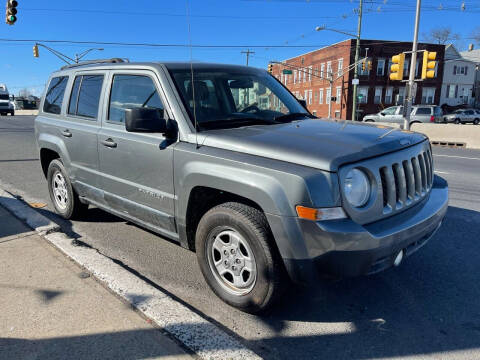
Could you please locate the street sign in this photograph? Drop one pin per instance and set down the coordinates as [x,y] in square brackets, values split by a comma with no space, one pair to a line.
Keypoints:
[355,81]
[360,96]
[287,72]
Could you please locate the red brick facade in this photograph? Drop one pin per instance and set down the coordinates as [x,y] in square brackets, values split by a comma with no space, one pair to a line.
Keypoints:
[378,90]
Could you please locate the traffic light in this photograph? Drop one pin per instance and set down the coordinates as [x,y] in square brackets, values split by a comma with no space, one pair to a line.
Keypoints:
[369,65]
[35,51]
[428,67]
[396,70]
[363,65]
[270,68]
[11,12]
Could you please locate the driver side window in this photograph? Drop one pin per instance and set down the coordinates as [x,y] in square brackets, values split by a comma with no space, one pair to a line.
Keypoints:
[131,91]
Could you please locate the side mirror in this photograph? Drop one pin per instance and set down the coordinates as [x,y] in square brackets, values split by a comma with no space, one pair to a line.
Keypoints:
[145,120]
[303,103]
[382,113]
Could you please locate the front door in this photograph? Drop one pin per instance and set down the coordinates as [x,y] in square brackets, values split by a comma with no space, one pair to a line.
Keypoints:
[136,168]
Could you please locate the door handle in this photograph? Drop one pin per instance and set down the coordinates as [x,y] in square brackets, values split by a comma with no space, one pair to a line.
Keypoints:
[109,143]
[66,133]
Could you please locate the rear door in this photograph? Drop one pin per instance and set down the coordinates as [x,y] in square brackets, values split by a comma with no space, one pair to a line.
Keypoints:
[422,114]
[136,168]
[469,116]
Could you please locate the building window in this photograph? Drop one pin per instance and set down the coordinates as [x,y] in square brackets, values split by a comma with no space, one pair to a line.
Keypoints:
[362,94]
[294,76]
[428,95]
[304,71]
[400,96]
[339,94]
[310,73]
[315,72]
[378,95]
[314,113]
[305,95]
[452,91]
[337,114]
[329,96]
[388,95]
[406,67]
[315,96]
[322,70]
[380,67]
[362,72]
[340,67]
[320,96]
[389,66]
[329,69]
[309,97]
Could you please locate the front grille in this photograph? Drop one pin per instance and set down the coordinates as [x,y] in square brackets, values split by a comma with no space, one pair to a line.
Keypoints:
[399,180]
[406,182]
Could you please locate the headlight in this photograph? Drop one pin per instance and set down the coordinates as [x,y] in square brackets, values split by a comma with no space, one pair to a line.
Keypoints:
[356,188]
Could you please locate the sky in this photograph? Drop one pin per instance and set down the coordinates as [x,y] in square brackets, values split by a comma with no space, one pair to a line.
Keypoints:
[273,29]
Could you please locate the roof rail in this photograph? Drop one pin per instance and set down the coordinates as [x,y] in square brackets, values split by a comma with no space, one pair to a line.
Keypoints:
[99,61]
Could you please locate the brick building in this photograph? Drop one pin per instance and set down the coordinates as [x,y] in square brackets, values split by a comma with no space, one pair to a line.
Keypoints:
[376,91]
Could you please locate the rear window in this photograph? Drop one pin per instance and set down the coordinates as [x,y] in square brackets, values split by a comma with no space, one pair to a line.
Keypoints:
[423,111]
[86,96]
[54,96]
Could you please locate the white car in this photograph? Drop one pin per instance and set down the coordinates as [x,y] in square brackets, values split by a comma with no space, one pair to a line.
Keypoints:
[463,116]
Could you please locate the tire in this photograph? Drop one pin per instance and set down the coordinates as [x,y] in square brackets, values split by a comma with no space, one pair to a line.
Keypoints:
[457,121]
[234,223]
[65,200]
[476,121]
[368,120]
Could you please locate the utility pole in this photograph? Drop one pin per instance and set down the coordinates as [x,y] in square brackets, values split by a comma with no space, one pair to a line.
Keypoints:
[411,79]
[248,52]
[355,71]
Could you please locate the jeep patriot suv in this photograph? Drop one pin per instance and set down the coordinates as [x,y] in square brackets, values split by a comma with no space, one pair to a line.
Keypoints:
[225,161]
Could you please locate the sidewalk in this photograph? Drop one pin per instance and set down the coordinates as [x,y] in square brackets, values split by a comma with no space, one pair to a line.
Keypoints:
[52,309]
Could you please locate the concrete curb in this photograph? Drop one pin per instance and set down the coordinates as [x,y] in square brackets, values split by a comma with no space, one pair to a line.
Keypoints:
[206,339]
[26,112]
[35,220]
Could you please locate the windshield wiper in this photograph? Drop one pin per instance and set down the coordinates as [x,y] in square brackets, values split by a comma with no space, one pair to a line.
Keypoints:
[292,116]
[235,121]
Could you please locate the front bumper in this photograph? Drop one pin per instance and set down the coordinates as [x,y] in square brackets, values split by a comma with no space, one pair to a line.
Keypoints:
[344,248]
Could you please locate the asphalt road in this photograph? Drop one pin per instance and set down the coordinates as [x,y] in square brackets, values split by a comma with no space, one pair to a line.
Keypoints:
[426,308]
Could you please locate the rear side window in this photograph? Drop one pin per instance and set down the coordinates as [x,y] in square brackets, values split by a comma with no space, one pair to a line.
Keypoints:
[131,91]
[423,111]
[54,96]
[86,96]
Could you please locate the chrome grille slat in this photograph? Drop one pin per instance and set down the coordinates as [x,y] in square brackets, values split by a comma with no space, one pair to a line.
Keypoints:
[423,173]
[400,184]
[391,190]
[417,177]
[428,165]
[410,179]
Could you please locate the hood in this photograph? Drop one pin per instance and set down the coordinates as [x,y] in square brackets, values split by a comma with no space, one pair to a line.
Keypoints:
[321,144]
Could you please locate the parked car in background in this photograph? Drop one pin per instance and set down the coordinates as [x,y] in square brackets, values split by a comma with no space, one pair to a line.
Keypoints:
[6,106]
[463,116]
[419,114]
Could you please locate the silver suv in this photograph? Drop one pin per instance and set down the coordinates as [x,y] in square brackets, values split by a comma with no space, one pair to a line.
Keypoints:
[463,116]
[419,114]
[231,166]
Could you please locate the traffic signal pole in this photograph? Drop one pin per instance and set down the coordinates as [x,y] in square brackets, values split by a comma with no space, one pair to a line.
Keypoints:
[357,54]
[411,79]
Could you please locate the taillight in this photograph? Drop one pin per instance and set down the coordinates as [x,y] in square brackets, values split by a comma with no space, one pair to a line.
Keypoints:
[432,118]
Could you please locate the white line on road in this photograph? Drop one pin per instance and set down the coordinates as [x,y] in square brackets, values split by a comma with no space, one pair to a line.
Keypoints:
[459,157]
[441,172]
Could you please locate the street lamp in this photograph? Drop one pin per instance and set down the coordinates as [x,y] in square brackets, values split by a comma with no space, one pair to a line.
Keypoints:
[78,57]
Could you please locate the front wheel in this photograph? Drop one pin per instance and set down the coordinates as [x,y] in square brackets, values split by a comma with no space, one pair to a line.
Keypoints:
[63,196]
[237,257]
[457,121]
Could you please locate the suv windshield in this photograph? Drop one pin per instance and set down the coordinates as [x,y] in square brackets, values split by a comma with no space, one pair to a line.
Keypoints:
[4,97]
[224,98]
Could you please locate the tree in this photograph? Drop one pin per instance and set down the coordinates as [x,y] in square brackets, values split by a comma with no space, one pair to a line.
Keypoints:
[441,35]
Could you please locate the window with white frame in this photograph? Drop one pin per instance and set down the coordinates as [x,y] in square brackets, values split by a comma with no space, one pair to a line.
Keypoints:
[281,78]
[380,67]
[294,76]
[329,96]
[310,73]
[329,69]
[362,94]
[337,114]
[452,91]
[315,71]
[428,95]
[305,95]
[320,96]
[339,94]
[340,67]
[309,97]
[322,70]
[378,95]
[315,96]
[304,71]
[388,95]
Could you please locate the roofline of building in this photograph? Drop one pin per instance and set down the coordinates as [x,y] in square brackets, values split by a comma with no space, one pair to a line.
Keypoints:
[318,49]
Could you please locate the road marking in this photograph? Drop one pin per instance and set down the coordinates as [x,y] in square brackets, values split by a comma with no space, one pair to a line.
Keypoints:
[441,172]
[459,157]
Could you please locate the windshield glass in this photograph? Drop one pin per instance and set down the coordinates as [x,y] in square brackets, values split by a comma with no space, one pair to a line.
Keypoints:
[234,98]
[4,97]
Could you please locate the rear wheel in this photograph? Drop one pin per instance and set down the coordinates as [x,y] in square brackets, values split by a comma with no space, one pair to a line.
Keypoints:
[237,257]
[457,121]
[64,198]
[476,121]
